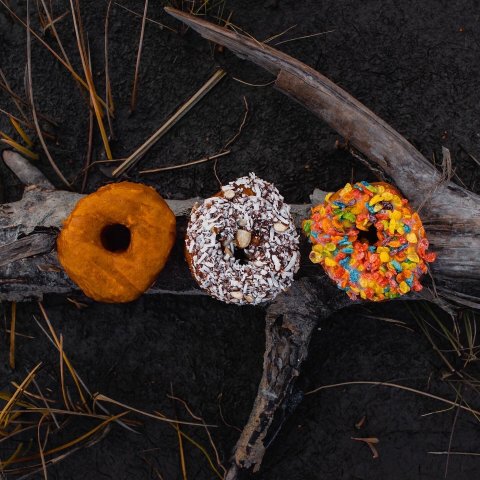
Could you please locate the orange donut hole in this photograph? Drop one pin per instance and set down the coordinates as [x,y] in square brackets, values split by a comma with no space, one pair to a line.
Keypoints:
[116,241]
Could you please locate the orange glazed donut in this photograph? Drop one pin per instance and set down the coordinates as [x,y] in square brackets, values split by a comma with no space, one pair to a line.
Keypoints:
[369,241]
[116,241]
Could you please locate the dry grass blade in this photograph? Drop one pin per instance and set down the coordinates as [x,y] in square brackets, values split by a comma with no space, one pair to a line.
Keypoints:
[77,379]
[20,148]
[176,426]
[12,335]
[158,416]
[5,396]
[210,439]
[15,145]
[240,128]
[181,112]
[75,9]
[205,454]
[66,401]
[40,448]
[16,99]
[108,85]
[473,454]
[139,56]
[32,103]
[19,102]
[47,46]
[303,37]
[26,124]
[400,387]
[161,25]
[21,132]
[51,25]
[11,458]
[50,413]
[75,441]
[18,392]
[273,37]
[189,164]
[424,326]
[88,155]
[59,347]
[224,151]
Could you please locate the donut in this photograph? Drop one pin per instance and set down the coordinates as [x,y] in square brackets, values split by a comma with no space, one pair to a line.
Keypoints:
[369,241]
[116,241]
[241,244]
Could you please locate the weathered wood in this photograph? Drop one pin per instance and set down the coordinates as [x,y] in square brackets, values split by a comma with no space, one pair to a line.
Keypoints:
[290,322]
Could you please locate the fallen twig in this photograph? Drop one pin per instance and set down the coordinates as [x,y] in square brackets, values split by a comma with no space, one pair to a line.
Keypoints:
[181,112]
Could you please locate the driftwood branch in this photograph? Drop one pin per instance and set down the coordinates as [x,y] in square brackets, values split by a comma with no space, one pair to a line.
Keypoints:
[290,323]
[451,216]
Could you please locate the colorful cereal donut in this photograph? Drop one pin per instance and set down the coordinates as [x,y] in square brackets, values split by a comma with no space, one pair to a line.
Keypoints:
[369,241]
[241,245]
[116,241]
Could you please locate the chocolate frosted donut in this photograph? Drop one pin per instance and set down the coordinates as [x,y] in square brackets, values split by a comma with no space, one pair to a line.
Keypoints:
[241,245]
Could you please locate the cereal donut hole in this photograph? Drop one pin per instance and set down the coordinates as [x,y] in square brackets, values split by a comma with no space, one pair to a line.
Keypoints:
[369,241]
[241,244]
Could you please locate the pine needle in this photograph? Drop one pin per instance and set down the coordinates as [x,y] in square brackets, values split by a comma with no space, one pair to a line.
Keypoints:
[157,416]
[400,387]
[47,46]
[12,335]
[108,86]
[183,165]
[88,75]
[32,102]
[20,148]
[59,347]
[139,56]
[180,113]
[21,132]
[18,393]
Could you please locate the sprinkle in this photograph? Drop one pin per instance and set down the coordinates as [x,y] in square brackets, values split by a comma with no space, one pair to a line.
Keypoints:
[329,262]
[384,257]
[412,238]
[396,265]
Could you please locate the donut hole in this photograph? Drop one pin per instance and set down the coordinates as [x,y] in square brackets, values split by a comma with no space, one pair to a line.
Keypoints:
[240,256]
[370,236]
[115,237]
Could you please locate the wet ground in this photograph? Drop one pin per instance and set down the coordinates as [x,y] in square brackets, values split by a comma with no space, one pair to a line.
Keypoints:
[416,65]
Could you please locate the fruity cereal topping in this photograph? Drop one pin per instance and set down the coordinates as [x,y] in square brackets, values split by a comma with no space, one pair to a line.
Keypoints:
[369,241]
